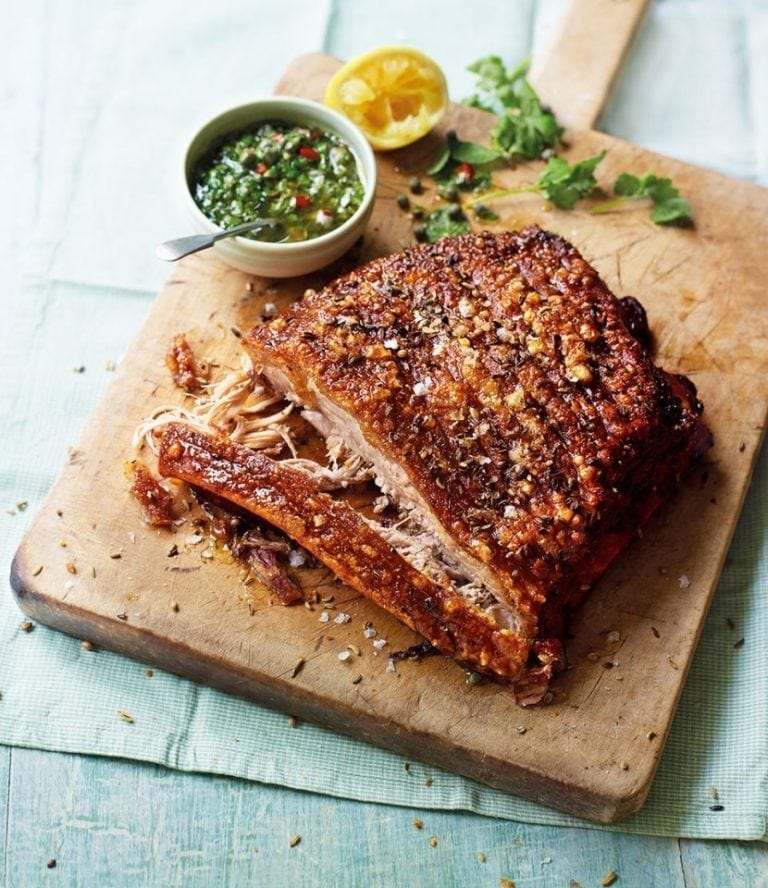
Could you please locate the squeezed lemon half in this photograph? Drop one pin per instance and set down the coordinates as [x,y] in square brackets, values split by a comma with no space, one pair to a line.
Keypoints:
[395,94]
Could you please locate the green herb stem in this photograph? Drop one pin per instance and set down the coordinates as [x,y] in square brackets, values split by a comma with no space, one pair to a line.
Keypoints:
[609,205]
[503,192]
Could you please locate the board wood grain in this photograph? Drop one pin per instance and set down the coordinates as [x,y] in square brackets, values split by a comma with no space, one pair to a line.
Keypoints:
[594,749]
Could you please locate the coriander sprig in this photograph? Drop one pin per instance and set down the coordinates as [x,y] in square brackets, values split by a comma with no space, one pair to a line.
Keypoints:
[525,128]
[559,182]
[669,208]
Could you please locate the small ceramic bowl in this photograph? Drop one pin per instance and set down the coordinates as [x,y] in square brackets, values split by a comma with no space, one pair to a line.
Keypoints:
[298,257]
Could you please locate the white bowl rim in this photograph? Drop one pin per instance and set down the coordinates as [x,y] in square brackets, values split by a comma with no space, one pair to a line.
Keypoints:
[364,155]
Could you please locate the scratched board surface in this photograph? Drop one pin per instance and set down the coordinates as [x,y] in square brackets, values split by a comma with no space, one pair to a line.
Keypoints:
[593,750]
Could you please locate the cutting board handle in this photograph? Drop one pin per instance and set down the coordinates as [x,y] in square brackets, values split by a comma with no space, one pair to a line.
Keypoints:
[574,73]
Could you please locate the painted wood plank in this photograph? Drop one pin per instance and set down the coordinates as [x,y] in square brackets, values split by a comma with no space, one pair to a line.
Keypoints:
[5,769]
[123,824]
[724,863]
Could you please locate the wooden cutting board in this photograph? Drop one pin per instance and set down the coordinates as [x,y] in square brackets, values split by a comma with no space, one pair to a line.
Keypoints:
[593,749]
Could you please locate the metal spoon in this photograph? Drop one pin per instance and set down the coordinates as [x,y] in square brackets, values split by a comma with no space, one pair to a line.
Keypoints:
[172,250]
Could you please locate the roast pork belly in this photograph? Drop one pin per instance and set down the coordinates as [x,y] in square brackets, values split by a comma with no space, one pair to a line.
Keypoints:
[505,402]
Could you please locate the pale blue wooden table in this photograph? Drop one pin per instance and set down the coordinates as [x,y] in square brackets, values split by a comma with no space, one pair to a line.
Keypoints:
[110,822]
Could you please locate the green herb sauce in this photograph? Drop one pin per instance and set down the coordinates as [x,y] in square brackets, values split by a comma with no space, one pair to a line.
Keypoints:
[306,178]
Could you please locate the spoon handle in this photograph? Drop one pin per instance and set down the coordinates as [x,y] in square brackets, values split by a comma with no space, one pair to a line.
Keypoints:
[175,249]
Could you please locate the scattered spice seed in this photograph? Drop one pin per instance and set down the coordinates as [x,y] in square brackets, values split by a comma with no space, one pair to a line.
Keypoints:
[433,841]
[175,606]
[504,882]
[126,716]
[624,765]
[63,544]
[651,735]
[713,792]
[655,632]
[521,729]
[122,616]
[173,551]
[609,878]
[298,667]
[357,679]
[355,649]
[418,823]
[236,332]
[672,663]
[716,808]
[116,555]
[51,863]
[22,505]
[37,571]
[730,623]
[429,781]
[407,766]
[27,626]
[292,721]
[71,567]
[739,643]
[294,841]
[149,673]
[86,645]
[93,572]
[480,857]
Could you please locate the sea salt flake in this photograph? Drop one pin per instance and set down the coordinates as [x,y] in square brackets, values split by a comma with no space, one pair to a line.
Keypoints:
[324,617]
[379,643]
[342,618]
[296,558]
[344,655]
[194,539]
[369,632]
[683,581]
[390,665]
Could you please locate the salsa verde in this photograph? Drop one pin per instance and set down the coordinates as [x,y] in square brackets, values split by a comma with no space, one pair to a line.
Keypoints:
[304,177]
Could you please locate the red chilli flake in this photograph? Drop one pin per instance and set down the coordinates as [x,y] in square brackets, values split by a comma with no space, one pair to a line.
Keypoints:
[465,172]
[309,153]
[301,201]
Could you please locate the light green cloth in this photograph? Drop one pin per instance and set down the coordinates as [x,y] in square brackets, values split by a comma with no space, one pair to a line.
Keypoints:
[695,86]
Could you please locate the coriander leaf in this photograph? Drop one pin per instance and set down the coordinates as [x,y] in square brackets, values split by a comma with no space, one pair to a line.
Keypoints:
[443,221]
[496,86]
[525,127]
[563,184]
[441,160]
[659,190]
[674,211]
[627,185]
[484,213]
[471,152]
[669,208]
[528,129]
